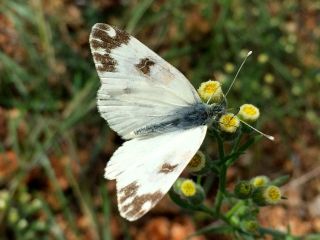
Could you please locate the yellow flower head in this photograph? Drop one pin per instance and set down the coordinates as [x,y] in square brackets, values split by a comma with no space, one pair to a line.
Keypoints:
[188,188]
[263,58]
[259,181]
[210,88]
[229,123]
[269,78]
[22,224]
[4,195]
[272,194]
[197,163]
[3,204]
[249,113]
[229,67]
[13,215]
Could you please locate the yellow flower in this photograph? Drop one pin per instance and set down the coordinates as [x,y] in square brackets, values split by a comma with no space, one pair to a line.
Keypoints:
[210,89]
[3,204]
[263,58]
[267,195]
[259,181]
[22,224]
[13,215]
[229,123]
[272,194]
[24,197]
[4,195]
[229,67]
[269,78]
[197,163]
[249,113]
[188,188]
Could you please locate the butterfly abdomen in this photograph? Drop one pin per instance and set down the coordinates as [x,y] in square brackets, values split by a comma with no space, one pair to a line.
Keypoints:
[183,118]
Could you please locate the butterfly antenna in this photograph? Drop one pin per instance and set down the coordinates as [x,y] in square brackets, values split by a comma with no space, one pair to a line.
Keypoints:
[235,77]
[253,128]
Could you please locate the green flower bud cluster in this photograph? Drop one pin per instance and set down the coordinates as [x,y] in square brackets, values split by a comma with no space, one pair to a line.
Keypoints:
[22,211]
[260,190]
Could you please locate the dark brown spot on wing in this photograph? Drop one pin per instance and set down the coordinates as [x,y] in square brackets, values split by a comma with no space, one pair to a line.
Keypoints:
[100,39]
[106,62]
[128,191]
[167,168]
[144,65]
[136,205]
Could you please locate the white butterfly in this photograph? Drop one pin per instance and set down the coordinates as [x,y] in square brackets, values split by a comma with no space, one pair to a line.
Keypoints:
[152,105]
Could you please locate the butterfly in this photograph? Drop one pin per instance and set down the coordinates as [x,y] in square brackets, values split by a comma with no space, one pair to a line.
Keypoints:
[152,106]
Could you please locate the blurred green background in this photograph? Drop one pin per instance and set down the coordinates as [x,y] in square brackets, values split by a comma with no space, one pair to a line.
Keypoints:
[54,145]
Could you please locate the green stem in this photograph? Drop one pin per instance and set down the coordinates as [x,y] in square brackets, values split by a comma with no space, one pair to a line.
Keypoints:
[220,145]
[222,175]
[199,177]
[221,189]
[236,143]
[275,233]
[235,208]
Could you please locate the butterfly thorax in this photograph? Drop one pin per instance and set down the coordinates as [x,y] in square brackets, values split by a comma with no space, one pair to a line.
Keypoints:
[184,118]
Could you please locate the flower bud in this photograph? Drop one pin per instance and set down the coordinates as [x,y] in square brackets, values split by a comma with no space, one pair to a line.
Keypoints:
[260,181]
[197,163]
[210,89]
[243,189]
[263,58]
[189,191]
[13,215]
[4,194]
[3,205]
[24,197]
[268,195]
[268,78]
[250,226]
[34,206]
[22,224]
[188,188]
[249,113]
[229,123]
[4,199]
[229,67]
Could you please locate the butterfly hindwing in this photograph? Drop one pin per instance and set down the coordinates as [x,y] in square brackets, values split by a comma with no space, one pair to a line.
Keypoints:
[146,168]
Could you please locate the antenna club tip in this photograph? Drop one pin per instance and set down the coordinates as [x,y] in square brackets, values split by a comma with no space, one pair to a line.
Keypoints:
[271,138]
[249,53]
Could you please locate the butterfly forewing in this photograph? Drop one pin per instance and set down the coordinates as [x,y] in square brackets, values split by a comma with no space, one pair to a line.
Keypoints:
[138,87]
[115,51]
